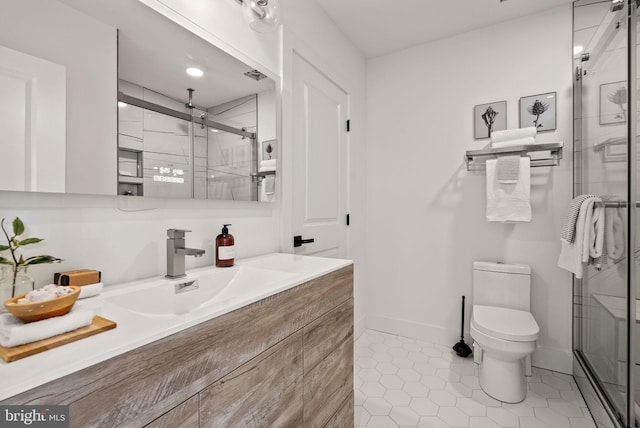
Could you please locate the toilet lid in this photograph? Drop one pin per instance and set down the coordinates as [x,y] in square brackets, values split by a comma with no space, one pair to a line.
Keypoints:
[505,323]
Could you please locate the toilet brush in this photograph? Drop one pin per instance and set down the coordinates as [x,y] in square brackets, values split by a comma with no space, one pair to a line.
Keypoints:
[462,349]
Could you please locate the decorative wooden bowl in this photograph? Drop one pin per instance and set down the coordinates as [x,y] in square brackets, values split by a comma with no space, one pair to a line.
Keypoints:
[36,311]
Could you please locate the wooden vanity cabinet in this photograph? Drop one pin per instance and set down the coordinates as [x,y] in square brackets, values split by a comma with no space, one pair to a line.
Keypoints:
[284,361]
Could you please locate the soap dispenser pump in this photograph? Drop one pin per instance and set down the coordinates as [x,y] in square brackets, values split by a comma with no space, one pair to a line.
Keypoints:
[225,248]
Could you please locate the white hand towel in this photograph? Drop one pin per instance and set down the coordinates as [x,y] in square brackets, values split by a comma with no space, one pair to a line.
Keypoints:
[511,143]
[90,290]
[509,202]
[512,134]
[14,332]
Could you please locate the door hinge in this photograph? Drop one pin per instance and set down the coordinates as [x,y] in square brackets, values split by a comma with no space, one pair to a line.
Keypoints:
[348,220]
[348,125]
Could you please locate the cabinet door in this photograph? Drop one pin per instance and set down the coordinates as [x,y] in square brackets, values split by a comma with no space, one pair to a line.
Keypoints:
[328,365]
[184,415]
[266,391]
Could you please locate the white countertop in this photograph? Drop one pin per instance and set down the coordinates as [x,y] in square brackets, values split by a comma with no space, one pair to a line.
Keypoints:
[135,330]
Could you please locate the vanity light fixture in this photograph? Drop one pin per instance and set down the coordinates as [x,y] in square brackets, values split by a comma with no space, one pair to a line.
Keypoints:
[577,49]
[122,104]
[263,16]
[195,72]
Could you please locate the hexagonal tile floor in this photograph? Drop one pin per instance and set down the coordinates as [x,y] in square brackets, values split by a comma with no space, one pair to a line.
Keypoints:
[401,382]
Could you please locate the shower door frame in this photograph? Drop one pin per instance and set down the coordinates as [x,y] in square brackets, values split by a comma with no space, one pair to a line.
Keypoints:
[582,368]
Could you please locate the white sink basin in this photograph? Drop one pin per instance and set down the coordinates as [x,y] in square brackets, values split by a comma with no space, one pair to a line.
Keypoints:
[200,289]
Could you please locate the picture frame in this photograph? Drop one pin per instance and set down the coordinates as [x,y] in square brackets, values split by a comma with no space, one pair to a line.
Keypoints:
[489,117]
[613,103]
[539,111]
[269,149]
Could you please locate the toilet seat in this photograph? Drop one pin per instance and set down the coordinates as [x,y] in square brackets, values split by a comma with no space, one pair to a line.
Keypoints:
[505,323]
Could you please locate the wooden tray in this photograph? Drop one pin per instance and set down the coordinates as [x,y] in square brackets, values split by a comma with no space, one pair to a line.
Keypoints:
[14,353]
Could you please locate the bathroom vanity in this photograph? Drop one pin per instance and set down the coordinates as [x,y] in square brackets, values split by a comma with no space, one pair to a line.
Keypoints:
[253,358]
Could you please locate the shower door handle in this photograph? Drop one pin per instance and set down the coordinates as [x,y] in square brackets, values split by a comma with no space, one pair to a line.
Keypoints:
[298,241]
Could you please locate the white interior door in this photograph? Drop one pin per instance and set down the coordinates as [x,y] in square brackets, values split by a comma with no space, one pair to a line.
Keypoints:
[32,122]
[320,152]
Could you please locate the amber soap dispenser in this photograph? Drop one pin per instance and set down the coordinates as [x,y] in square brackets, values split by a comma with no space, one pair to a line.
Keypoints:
[225,249]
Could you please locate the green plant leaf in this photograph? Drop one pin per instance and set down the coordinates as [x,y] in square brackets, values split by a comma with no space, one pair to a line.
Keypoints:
[18,226]
[37,260]
[30,241]
[4,261]
[4,247]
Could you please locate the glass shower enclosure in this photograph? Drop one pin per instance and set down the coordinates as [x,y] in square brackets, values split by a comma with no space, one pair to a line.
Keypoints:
[605,328]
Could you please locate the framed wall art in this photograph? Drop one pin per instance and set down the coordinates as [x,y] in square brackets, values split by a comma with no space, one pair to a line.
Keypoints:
[488,118]
[613,103]
[539,111]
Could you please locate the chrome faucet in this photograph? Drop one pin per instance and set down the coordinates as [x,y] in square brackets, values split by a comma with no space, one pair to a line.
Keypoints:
[176,252]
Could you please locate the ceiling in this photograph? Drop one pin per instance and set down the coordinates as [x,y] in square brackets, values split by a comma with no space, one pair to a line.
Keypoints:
[155,55]
[379,27]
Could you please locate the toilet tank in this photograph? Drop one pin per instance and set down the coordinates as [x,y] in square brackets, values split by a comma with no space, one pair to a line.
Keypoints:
[502,285]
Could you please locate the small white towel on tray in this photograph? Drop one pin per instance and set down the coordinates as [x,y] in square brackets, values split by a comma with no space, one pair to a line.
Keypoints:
[512,134]
[14,332]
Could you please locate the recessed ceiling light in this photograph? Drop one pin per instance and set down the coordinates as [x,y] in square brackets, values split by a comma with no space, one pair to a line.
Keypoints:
[195,72]
[121,104]
[577,49]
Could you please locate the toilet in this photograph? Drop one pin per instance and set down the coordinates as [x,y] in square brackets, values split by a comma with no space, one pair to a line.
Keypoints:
[503,329]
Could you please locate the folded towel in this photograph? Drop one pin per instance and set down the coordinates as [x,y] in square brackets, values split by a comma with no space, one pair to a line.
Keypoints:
[14,332]
[510,143]
[508,169]
[90,290]
[509,202]
[267,165]
[568,233]
[588,237]
[571,253]
[512,134]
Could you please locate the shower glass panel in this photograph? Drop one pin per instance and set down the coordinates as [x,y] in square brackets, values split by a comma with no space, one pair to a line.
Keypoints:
[605,165]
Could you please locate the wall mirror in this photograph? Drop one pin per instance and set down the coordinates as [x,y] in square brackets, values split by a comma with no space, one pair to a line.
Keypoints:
[108,97]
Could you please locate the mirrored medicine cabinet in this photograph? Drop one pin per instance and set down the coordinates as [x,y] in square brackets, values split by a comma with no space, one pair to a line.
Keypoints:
[97,100]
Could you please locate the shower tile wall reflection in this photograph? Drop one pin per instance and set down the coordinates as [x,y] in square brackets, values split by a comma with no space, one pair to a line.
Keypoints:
[219,166]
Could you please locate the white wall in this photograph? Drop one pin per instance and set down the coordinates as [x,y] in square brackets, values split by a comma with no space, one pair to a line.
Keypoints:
[425,213]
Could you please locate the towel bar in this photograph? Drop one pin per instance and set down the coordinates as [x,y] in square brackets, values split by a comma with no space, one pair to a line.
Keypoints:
[476,159]
[614,204]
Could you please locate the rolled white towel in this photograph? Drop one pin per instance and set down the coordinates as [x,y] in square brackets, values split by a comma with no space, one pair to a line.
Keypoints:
[267,165]
[90,290]
[510,143]
[512,134]
[14,332]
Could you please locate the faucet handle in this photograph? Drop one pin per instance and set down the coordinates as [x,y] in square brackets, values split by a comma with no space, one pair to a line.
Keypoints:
[176,233]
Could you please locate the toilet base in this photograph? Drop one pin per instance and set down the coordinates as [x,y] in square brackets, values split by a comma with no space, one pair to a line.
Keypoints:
[503,380]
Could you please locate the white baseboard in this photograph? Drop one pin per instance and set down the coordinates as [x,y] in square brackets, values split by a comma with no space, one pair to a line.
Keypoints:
[546,358]
[553,359]
[359,327]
